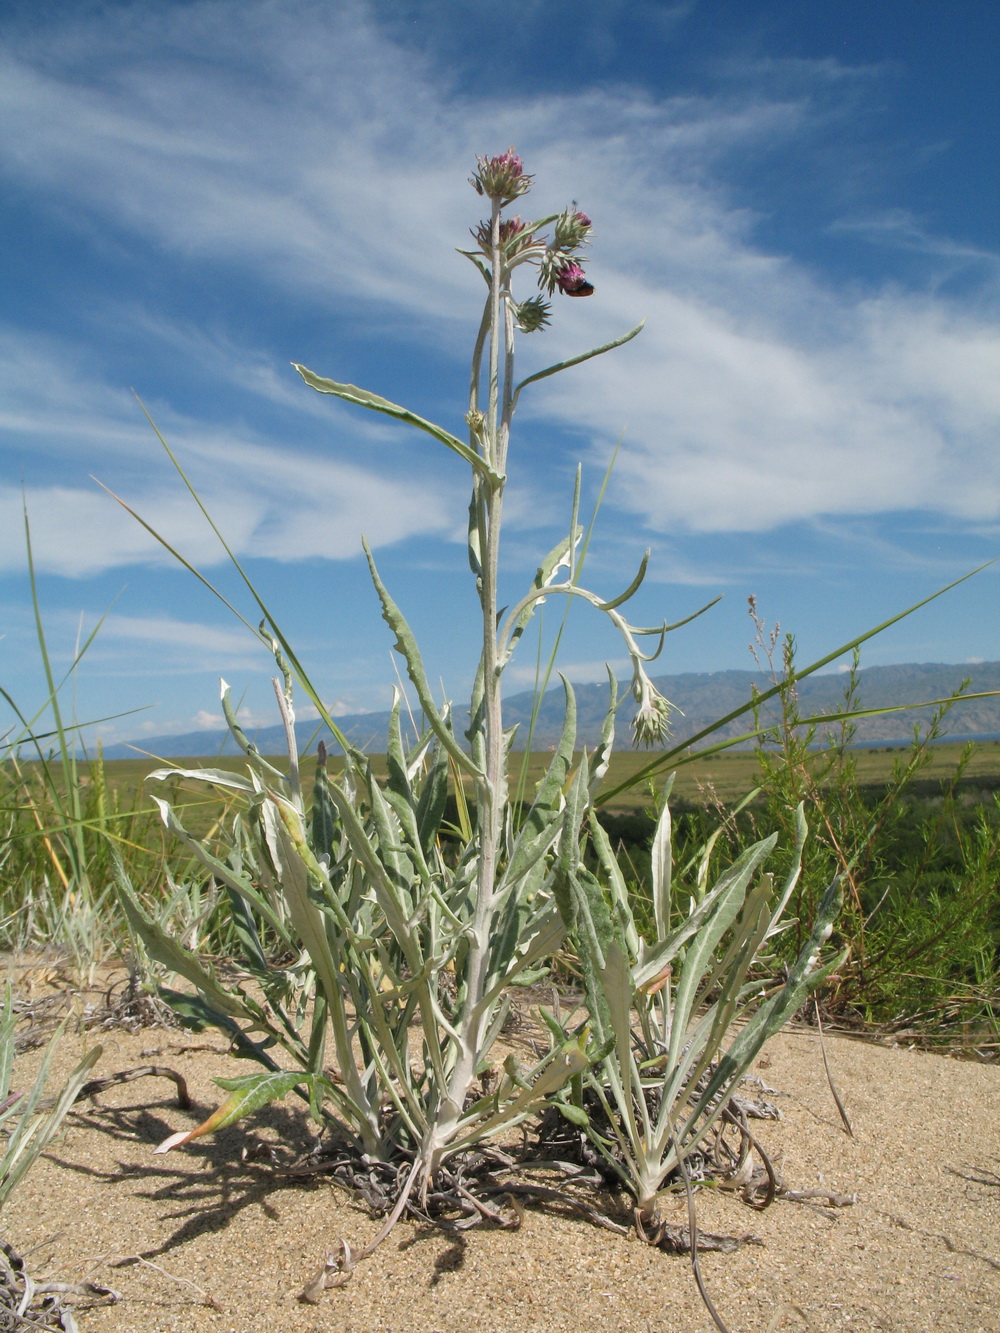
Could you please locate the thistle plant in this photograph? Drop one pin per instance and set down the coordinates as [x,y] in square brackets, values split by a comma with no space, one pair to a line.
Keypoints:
[386,928]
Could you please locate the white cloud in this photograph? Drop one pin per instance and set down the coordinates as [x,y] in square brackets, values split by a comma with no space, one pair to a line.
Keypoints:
[736,423]
[339,708]
[313,510]
[78,533]
[593,672]
[301,146]
[901,229]
[268,498]
[185,636]
[320,158]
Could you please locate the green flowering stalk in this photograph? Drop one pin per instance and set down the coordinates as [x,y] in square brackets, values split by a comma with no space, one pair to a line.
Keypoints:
[392,931]
[397,934]
[506,244]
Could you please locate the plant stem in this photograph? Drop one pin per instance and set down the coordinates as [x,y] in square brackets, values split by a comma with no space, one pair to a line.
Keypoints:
[491,784]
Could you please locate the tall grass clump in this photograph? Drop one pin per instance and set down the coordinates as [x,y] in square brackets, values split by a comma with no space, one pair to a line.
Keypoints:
[921,917]
[58,814]
[379,949]
[917,856]
[65,825]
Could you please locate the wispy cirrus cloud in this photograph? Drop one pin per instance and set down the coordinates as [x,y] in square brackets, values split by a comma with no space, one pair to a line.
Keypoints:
[270,499]
[878,405]
[760,393]
[313,510]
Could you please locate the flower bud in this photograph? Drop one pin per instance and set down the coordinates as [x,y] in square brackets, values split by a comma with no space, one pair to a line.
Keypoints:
[501,177]
[651,724]
[511,230]
[477,427]
[571,229]
[511,227]
[556,270]
[532,315]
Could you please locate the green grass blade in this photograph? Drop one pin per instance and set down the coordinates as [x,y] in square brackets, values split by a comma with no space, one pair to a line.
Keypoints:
[301,674]
[33,1135]
[683,753]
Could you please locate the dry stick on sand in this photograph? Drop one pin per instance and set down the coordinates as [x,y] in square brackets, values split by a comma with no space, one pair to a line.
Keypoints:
[206,1299]
[98,1085]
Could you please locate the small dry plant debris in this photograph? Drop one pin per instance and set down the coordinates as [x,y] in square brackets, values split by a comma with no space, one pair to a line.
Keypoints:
[126,1004]
[29,1304]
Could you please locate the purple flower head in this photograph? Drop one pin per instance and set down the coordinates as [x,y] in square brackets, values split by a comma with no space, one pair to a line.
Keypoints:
[501,177]
[508,161]
[572,281]
[583,220]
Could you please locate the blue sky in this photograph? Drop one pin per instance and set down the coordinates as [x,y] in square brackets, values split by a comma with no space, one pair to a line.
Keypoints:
[800,198]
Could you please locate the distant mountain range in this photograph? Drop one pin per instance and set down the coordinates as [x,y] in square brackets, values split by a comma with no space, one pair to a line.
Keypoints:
[701,697]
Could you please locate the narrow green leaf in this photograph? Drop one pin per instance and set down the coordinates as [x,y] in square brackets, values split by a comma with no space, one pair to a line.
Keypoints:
[577,360]
[239,883]
[794,870]
[560,555]
[406,645]
[617,887]
[548,1077]
[632,588]
[616,983]
[775,1012]
[539,827]
[662,869]
[214,777]
[379,880]
[568,855]
[391,851]
[34,1133]
[433,801]
[576,1115]
[322,821]
[244,741]
[396,768]
[165,949]
[350,393]
[726,905]
[600,758]
[8,1023]
[739,872]
[246,932]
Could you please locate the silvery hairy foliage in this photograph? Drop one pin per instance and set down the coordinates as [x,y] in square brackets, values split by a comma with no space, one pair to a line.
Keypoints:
[28,1123]
[677,1019]
[381,944]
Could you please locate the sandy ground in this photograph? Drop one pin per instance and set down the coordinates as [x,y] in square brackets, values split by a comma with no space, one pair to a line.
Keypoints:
[217,1241]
